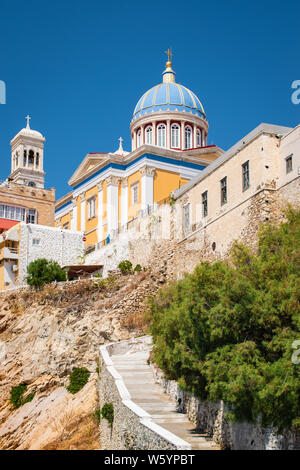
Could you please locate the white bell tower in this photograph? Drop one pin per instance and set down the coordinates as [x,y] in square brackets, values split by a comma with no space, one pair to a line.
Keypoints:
[27,157]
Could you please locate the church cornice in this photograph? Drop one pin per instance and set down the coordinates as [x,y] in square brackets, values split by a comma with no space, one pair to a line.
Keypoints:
[80,176]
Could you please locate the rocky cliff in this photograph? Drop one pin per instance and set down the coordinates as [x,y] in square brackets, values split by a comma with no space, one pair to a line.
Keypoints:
[43,336]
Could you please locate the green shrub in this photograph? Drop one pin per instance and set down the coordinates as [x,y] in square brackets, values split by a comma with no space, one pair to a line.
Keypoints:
[226,331]
[78,378]
[97,415]
[42,271]
[29,398]
[138,268]
[107,413]
[16,395]
[125,266]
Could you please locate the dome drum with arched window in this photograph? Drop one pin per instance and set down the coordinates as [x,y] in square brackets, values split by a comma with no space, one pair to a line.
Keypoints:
[169,116]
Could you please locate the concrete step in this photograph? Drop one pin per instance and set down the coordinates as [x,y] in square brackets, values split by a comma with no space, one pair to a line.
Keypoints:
[146,393]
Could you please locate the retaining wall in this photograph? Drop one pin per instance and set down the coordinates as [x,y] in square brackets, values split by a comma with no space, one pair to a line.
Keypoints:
[209,417]
[133,428]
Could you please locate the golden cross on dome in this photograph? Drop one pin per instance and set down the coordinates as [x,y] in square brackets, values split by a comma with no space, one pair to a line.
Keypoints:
[169,53]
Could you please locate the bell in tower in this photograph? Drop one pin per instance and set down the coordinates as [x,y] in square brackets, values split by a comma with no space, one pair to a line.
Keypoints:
[27,157]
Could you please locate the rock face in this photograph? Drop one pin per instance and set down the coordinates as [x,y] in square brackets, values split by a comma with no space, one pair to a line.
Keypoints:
[44,335]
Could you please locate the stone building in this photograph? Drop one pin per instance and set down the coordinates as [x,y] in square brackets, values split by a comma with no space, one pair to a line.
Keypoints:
[24,243]
[249,184]
[169,147]
[23,197]
[174,199]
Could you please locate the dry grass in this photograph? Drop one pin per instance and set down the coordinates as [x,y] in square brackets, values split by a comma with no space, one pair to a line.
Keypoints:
[15,307]
[78,434]
[135,322]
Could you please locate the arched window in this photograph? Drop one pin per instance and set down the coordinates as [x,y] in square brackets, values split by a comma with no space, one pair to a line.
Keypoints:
[31,158]
[175,136]
[149,135]
[161,135]
[139,138]
[32,184]
[198,138]
[188,137]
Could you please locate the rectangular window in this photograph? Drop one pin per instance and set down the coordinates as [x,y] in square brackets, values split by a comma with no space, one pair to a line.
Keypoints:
[223,190]
[66,226]
[245,175]
[31,216]
[36,242]
[92,208]
[289,163]
[135,194]
[12,213]
[204,204]
[186,210]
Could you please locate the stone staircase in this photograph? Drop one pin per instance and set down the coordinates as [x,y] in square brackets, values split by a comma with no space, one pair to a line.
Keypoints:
[139,380]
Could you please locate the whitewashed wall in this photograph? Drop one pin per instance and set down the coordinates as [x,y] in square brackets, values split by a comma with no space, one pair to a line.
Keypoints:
[63,246]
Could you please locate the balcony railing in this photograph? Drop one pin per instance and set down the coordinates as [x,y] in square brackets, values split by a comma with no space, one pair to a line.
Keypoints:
[124,228]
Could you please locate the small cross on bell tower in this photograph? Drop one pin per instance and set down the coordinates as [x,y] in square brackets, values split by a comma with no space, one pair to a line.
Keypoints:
[28,119]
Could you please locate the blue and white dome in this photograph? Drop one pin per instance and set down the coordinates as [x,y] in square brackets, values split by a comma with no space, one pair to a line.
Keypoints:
[168,97]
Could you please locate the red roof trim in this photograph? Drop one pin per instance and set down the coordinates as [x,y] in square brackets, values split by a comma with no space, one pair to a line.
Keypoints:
[6,224]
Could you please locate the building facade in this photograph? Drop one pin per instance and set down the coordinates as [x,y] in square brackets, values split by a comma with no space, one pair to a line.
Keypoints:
[24,243]
[250,184]
[169,147]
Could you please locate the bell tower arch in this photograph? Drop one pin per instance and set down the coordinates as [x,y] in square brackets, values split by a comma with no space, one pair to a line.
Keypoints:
[27,157]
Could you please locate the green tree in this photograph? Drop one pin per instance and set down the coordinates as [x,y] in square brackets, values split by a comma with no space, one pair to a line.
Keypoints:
[42,271]
[226,331]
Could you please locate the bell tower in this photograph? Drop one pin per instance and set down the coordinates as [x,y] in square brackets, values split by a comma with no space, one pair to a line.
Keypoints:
[27,157]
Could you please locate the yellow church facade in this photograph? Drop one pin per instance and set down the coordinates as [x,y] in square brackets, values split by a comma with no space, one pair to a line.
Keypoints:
[169,147]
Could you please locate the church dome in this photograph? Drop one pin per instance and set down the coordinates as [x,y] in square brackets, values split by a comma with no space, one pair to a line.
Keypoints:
[27,132]
[169,115]
[168,97]
[30,133]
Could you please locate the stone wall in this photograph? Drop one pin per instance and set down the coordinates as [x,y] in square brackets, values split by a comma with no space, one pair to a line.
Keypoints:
[55,244]
[132,428]
[159,241]
[209,417]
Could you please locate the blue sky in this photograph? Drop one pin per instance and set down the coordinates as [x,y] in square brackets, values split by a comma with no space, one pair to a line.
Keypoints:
[78,68]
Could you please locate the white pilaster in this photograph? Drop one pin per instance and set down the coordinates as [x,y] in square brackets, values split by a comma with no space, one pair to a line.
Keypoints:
[182,135]
[74,217]
[147,174]
[100,213]
[168,134]
[82,210]
[153,133]
[124,201]
[142,135]
[194,136]
[112,203]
